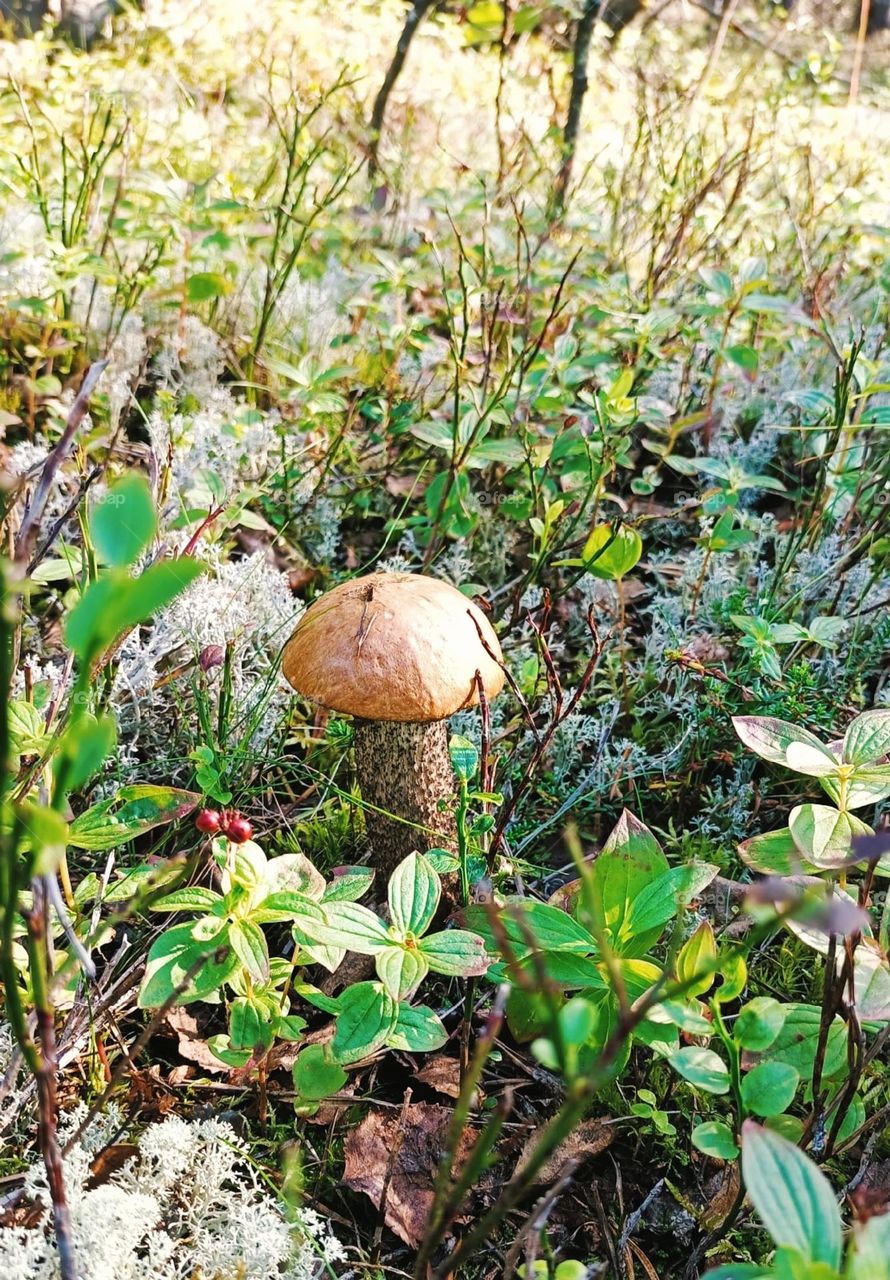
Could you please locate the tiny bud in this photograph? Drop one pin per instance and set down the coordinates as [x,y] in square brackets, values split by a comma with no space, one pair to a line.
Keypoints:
[211,655]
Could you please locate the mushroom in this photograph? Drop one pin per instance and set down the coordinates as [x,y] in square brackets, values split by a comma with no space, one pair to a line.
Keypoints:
[399,652]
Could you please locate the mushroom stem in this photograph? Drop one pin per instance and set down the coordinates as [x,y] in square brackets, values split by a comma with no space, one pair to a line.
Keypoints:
[404,770]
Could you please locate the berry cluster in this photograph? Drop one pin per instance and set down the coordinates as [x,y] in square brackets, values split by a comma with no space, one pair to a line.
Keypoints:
[211,822]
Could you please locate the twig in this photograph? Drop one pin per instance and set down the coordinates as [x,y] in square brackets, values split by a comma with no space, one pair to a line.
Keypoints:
[31,519]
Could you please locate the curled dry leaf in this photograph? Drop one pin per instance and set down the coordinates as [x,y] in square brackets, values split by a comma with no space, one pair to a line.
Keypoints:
[587,1140]
[411,1143]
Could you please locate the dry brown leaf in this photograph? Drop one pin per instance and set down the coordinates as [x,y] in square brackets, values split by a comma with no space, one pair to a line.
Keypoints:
[192,1044]
[411,1143]
[587,1140]
[441,1073]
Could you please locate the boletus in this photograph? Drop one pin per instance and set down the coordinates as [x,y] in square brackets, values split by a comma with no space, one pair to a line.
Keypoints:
[399,652]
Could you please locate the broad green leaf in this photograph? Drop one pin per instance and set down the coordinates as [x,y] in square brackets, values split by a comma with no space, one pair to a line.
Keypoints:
[248,1027]
[698,956]
[347,884]
[769,1088]
[414,893]
[350,925]
[191,898]
[823,835]
[527,925]
[221,1047]
[740,1271]
[630,860]
[203,285]
[464,757]
[775,854]
[401,969]
[175,953]
[83,747]
[316,1076]
[249,944]
[130,812]
[366,1018]
[783,743]
[455,952]
[758,1023]
[703,1068]
[798,1040]
[793,1198]
[417,1030]
[871,983]
[733,974]
[610,553]
[565,968]
[287,905]
[868,737]
[115,603]
[293,872]
[715,1138]
[660,901]
[123,521]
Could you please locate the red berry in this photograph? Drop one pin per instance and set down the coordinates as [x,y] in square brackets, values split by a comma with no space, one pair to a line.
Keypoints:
[239,829]
[208,821]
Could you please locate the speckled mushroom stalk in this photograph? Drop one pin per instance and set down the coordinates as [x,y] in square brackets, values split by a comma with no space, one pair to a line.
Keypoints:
[399,652]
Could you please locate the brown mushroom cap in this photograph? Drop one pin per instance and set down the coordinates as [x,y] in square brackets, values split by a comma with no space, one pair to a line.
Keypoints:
[393,646]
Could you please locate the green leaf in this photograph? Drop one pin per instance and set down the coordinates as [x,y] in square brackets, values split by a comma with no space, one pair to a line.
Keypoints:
[455,952]
[758,1023]
[83,747]
[191,898]
[123,521]
[175,953]
[823,835]
[130,812]
[366,1018]
[868,737]
[347,884]
[401,969]
[702,1068]
[464,757]
[414,893]
[663,898]
[871,983]
[115,603]
[698,956]
[316,1076]
[350,925]
[630,859]
[744,357]
[870,1250]
[775,854]
[714,1138]
[783,743]
[417,1030]
[527,924]
[769,1088]
[793,1198]
[248,1027]
[610,553]
[870,784]
[249,944]
[204,285]
[798,1040]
